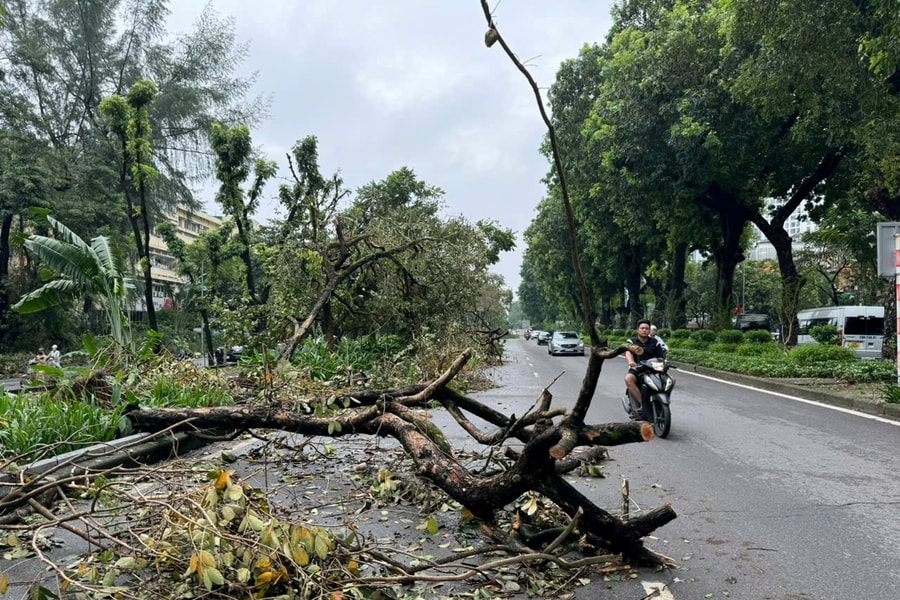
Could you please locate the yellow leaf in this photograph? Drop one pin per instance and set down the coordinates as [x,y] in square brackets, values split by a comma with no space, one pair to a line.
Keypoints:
[300,556]
[321,547]
[222,480]
[207,559]
[4,583]
[192,566]
[353,567]
[306,536]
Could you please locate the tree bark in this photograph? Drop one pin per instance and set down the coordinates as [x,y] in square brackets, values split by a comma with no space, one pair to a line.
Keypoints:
[4,274]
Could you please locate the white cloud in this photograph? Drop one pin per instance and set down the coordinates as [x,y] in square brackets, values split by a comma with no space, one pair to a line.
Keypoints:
[408,79]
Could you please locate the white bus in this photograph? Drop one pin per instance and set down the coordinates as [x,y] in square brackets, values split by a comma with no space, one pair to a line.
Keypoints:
[860,328]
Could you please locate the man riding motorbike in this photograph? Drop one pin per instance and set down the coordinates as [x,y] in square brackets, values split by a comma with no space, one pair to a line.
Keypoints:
[651,349]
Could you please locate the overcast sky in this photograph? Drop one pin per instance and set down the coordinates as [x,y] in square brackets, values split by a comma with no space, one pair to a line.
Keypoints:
[390,83]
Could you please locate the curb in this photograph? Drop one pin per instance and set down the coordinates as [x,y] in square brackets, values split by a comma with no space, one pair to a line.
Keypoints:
[865,405]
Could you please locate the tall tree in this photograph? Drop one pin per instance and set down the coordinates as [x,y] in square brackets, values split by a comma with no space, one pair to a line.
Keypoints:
[129,122]
[234,165]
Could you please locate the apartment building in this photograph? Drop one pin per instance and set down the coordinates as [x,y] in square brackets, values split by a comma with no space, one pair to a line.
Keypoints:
[189,224]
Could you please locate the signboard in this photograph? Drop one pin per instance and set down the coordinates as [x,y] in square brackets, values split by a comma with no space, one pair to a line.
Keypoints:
[887,255]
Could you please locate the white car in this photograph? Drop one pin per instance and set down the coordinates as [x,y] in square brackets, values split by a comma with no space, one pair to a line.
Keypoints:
[565,342]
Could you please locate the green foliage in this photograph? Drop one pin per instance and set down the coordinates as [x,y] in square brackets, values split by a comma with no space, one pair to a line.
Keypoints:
[350,357]
[723,348]
[775,365]
[827,335]
[730,336]
[704,336]
[679,334]
[811,353]
[75,268]
[50,423]
[769,349]
[891,393]
[757,336]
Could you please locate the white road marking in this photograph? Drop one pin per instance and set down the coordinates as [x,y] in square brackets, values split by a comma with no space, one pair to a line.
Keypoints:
[848,411]
[659,590]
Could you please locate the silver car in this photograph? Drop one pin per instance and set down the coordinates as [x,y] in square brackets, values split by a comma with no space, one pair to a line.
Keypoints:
[565,342]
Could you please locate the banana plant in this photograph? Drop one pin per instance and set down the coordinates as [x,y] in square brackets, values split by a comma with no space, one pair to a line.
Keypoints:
[72,268]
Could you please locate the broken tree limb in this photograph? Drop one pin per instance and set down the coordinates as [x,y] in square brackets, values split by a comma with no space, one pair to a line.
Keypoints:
[395,413]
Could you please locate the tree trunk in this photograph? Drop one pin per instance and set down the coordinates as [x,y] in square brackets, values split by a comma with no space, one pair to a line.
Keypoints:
[145,266]
[633,273]
[727,255]
[4,275]
[889,346]
[676,305]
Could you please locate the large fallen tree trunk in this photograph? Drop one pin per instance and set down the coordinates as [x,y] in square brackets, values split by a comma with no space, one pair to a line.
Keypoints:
[394,413]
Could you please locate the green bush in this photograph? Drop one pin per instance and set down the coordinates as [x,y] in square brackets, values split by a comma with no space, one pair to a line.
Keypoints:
[814,353]
[758,336]
[680,334]
[40,425]
[775,365]
[770,349]
[827,335]
[704,336]
[730,336]
[665,333]
[721,348]
[892,394]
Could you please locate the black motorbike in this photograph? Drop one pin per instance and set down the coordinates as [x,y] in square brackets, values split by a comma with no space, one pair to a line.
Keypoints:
[656,386]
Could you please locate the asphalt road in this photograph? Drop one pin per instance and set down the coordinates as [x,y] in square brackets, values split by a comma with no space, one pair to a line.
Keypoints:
[778,498]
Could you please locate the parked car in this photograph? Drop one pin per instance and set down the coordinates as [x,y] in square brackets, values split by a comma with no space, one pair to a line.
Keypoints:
[544,338]
[565,342]
[860,328]
[751,321]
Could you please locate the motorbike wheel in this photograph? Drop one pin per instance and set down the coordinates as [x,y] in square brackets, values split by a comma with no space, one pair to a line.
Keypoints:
[661,419]
[626,404]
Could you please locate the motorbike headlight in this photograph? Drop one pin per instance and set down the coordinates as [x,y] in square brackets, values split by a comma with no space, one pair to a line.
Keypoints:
[669,384]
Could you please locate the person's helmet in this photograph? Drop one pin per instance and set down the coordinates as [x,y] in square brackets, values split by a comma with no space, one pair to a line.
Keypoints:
[53,347]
